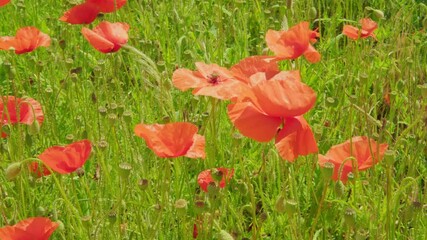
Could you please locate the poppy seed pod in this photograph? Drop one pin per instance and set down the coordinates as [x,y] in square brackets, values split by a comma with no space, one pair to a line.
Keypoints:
[291,207]
[181,206]
[378,13]
[327,170]
[143,184]
[389,157]
[13,170]
[350,217]
[313,13]
[124,170]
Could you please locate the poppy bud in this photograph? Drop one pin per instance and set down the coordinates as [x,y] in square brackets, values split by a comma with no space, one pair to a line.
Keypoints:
[350,217]
[290,207]
[40,211]
[280,204]
[389,157]
[61,226]
[143,184]
[34,128]
[313,13]
[242,186]
[223,235]
[262,217]
[80,172]
[378,13]
[181,206]
[124,170]
[339,188]
[13,170]
[285,25]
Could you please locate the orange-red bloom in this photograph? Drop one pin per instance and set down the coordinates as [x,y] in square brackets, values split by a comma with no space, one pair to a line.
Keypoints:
[366,152]
[368,28]
[64,159]
[39,228]
[107,6]
[255,69]
[261,109]
[107,37]
[26,40]
[209,80]
[295,139]
[19,110]
[293,43]
[205,178]
[172,139]
[84,13]
[4,2]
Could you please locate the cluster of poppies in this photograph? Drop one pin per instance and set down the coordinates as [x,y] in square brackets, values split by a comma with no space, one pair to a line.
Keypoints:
[265,103]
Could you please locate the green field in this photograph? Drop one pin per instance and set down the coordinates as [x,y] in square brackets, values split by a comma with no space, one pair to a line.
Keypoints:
[373,87]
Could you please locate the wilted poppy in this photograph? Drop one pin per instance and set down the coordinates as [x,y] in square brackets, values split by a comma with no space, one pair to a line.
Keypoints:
[84,13]
[107,6]
[64,159]
[365,151]
[368,28]
[172,139]
[205,178]
[293,43]
[107,37]
[4,2]
[260,110]
[295,139]
[26,40]
[20,110]
[39,228]
[209,80]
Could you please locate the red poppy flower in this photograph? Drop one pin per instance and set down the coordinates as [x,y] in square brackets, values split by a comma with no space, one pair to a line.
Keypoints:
[107,37]
[368,28]
[205,178]
[295,139]
[39,228]
[20,110]
[84,13]
[172,139]
[107,6]
[64,159]
[209,80]
[366,151]
[4,2]
[293,43]
[26,40]
[260,110]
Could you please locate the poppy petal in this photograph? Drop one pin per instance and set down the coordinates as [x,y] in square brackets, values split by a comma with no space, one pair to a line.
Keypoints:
[255,65]
[225,90]
[107,6]
[253,123]
[30,228]
[4,2]
[81,14]
[98,42]
[197,150]
[312,55]
[295,139]
[351,32]
[170,140]
[205,178]
[368,24]
[293,75]
[184,79]
[67,159]
[283,98]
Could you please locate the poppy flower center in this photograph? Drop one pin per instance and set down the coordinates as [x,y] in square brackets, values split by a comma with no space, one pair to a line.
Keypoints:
[213,78]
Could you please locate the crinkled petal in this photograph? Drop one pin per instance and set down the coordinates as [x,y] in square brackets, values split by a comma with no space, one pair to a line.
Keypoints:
[97,41]
[252,123]
[81,14]
[197,150]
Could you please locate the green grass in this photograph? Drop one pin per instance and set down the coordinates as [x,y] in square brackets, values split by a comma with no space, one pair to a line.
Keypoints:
[74,82]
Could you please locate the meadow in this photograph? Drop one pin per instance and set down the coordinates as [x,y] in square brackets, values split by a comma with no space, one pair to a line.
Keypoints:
[219,177]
